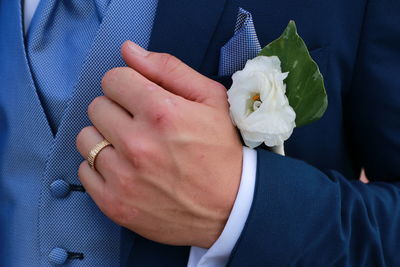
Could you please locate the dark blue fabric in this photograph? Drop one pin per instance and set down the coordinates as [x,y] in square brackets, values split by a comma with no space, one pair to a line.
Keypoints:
[305,215]
[185,28]
[312,211]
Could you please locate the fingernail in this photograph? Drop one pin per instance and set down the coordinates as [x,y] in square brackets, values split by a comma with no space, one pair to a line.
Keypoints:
[137,50]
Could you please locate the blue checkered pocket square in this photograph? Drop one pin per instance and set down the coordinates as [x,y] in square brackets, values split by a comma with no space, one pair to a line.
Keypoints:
[244,45]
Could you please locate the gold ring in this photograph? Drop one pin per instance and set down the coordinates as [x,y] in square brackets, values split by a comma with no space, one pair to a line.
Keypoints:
[95,151]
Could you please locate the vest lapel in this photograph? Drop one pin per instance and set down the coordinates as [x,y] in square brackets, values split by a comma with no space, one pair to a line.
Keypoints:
[184,28]
[117,27]
[173,33]
[14,68]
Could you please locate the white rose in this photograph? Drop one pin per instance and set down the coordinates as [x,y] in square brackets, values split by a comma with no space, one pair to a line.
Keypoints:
[258,104]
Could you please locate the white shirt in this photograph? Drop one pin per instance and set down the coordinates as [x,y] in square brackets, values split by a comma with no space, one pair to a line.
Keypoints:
[218,254]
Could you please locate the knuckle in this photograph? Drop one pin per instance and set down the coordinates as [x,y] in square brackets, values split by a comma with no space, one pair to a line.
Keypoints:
[169,63]
[219,90]
[137,153]
[112,75]
[81,136]
[108,77]
[158,116]
[124,178]
[161,115]
[125,136]
[94,105]
[113,80]
[219,87]
[133,153]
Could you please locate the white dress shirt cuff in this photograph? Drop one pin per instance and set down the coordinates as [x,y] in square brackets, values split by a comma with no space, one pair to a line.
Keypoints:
[218,254]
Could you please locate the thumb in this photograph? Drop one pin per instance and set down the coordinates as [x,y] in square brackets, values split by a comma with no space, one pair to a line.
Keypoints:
[173,75]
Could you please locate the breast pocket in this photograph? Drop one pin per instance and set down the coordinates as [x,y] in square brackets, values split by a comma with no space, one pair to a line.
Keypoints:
[319,55]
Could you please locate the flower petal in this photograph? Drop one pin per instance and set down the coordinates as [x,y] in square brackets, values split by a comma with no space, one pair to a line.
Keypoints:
[273,120]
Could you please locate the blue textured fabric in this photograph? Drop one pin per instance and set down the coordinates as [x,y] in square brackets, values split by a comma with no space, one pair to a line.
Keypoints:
[244,45]
[58,40]
[32,221]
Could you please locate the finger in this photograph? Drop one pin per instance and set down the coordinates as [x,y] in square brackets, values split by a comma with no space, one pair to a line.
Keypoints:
[93,182]
[87,139]
[110,119]
[108,161]
[173,75]
[133,91]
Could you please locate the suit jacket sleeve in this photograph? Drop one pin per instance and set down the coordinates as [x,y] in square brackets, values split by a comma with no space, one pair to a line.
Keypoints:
[304,217]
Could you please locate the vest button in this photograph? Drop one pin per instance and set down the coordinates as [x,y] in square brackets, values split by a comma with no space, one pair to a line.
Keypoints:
[58,256]
[60,188]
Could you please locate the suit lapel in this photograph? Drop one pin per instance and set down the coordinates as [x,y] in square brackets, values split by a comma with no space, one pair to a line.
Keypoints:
[184,28]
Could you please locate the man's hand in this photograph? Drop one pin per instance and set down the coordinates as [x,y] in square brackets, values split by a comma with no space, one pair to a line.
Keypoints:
[174,169]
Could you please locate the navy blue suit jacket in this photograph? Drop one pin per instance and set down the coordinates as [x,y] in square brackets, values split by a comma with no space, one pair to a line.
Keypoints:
[309,208]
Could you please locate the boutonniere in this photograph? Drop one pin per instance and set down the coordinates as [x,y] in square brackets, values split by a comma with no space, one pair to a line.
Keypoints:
[280,89]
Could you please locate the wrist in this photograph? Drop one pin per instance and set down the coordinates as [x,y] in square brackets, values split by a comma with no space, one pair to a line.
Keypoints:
[220,214]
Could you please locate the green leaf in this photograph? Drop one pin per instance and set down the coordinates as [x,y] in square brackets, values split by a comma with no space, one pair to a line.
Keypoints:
[305,88]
